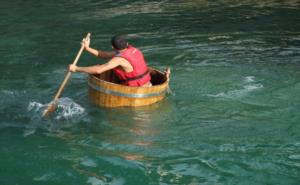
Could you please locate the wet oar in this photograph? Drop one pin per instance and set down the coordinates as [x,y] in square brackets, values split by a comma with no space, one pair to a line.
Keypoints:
[53,105]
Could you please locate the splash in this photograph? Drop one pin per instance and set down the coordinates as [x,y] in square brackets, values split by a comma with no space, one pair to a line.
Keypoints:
[35,106]
[66,109]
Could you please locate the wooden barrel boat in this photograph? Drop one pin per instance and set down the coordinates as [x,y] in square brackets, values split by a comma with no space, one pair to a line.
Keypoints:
[105,90]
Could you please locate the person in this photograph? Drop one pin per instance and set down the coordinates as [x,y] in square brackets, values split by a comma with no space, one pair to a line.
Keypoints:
[126,61]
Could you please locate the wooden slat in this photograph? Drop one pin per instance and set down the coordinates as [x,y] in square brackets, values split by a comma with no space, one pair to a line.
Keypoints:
[112,100]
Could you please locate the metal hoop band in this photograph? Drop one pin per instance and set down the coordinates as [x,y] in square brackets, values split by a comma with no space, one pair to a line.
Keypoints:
[116,93]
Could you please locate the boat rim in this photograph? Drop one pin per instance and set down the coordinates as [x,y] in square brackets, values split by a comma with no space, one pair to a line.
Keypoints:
[111,83]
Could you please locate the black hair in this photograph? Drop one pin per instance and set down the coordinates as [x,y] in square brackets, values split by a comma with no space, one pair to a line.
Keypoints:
[119,42]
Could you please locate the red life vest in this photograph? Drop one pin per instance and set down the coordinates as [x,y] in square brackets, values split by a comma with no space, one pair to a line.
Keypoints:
[140,75]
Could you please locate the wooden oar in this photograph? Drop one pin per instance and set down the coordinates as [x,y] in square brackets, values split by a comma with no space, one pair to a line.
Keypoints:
[53,105]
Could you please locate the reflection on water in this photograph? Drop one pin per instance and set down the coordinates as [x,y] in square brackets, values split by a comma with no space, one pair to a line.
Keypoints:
[138,126]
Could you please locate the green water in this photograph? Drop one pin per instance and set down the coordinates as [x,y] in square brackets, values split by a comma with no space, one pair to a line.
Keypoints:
[232,118]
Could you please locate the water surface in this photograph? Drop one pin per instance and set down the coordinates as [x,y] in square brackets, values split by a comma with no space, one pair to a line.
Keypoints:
[232,117]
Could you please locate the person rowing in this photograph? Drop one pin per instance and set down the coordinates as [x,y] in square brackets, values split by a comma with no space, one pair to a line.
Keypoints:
[126,61]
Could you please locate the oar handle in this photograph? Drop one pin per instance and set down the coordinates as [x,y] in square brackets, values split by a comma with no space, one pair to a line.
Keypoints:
[81,49]
[62,86]
[52,106]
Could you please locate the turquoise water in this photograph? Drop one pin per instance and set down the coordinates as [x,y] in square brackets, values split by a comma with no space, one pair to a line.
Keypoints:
[232,118]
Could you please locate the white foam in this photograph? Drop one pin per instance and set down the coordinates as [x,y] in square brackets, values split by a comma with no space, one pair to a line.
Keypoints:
[295,39]
[28,132]
[252,87]
[118,181]
[44,177]
[295,157]
[286,53]
[249,79]
[35,106]
[95,181]
[7,92]
[239,92]
[219,37]
[88,162]
[179,56]
[66,109]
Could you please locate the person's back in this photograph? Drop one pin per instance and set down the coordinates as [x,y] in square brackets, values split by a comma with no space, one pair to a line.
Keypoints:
[140,74]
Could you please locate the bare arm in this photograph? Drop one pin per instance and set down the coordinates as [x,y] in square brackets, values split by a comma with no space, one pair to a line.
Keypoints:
[106,54]
[97,53]
[96,69]
[100,54]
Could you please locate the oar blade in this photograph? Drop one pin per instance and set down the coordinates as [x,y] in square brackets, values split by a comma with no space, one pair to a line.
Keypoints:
[51,108]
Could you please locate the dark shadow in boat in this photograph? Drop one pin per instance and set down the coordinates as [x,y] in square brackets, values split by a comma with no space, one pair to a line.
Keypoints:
[157,77]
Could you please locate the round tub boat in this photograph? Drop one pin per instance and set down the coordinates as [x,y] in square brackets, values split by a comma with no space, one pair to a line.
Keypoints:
[105,90]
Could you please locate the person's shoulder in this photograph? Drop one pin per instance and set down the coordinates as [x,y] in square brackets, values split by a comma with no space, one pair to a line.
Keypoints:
[132,47]
[118,59]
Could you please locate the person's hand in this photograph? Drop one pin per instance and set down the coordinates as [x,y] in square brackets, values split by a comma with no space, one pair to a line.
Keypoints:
[72,68]
[168,72]
[86,43]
